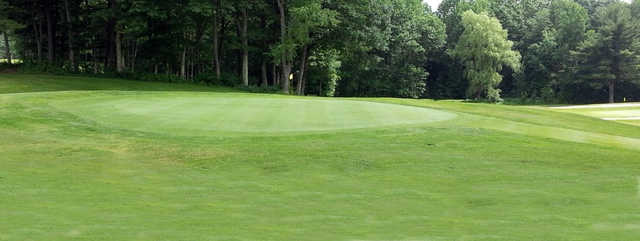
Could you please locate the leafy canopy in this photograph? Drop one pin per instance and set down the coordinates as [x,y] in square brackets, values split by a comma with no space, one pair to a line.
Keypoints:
[484,49]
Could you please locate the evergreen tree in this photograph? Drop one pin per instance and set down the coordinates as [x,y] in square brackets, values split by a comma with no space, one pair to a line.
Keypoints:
[608,55]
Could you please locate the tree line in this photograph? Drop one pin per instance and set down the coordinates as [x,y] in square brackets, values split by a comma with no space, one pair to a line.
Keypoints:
[535,50]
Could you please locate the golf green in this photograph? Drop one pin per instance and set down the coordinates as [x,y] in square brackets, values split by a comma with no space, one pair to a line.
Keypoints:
[199,114]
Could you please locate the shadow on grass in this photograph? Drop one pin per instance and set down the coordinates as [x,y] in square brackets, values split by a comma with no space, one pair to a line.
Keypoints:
[12,82]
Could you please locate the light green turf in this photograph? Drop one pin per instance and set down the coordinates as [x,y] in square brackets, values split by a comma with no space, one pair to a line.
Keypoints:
[183,113]
[70,171]
[611,112]
[599,112]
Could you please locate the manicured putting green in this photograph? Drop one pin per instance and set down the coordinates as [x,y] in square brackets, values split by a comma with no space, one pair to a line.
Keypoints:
[197,113]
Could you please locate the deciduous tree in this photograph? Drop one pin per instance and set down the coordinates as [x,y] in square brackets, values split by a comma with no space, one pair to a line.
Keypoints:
[484,49]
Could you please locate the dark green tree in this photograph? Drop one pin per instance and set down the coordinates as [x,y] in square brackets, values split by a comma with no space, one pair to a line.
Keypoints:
[608,55]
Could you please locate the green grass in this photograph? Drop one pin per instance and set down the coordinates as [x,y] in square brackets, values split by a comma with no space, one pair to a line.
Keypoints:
[205,113]
[104,159]
[611,112]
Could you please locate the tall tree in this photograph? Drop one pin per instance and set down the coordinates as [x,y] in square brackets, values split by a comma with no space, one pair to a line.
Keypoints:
[7,25]
[309,21]
[298,19]
[447,80]
[380,36]
[7,47]
[243,25]
[50,9]
[556,31]
[609,54]
[70,38]
[217,14]
[118,29]
[483,49]
[284,50]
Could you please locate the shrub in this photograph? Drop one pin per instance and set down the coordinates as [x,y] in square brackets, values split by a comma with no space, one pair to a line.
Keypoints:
[210,78]
[259,89]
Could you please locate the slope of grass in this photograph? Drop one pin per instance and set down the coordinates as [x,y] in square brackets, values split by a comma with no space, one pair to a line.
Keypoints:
[67,172]
[20,83]
[535,115]
[614,112]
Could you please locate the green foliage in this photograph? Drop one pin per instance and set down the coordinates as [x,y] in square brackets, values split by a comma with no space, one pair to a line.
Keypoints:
[378,47]
[446,78]
[483,48]
[390,51]
[635,9]
[226,79]
[608,55]
[547,63]
[450,11]
[323,73]
[306,17]
[7,25]
[569,19]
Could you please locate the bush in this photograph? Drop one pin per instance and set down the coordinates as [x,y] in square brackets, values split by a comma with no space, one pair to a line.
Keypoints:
[493,95]
[87,69]
[259,89]
[30,67]
[7,68]
[149,77]
[210,78]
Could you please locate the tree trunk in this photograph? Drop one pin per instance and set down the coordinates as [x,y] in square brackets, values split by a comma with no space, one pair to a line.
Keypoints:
[95,61]
[190,65]
[286,65]
[135,55]
[183,62]
[167,69]
[119,57]
[40,40]
[265,81]
[612,86]
[216,37]
[320,93]
[69,35]
[245,48]
[110,38]
[50,38]
[278,76]
[274,74]
[7,48]
[303,64]
[37,32]
[306,76]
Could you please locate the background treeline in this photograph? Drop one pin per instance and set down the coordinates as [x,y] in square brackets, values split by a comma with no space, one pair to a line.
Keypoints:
[535,50]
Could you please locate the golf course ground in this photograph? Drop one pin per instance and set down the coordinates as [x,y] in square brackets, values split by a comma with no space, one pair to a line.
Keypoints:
[628,113]
[108,159]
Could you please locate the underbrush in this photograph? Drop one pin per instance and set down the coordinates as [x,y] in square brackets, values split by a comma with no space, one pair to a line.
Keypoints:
[226,79]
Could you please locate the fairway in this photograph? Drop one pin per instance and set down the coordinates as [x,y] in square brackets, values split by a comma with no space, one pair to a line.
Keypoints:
[200,113]
[107,159]
[628,113]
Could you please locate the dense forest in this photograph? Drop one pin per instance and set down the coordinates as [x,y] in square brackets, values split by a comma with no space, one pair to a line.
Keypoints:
[534,50]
